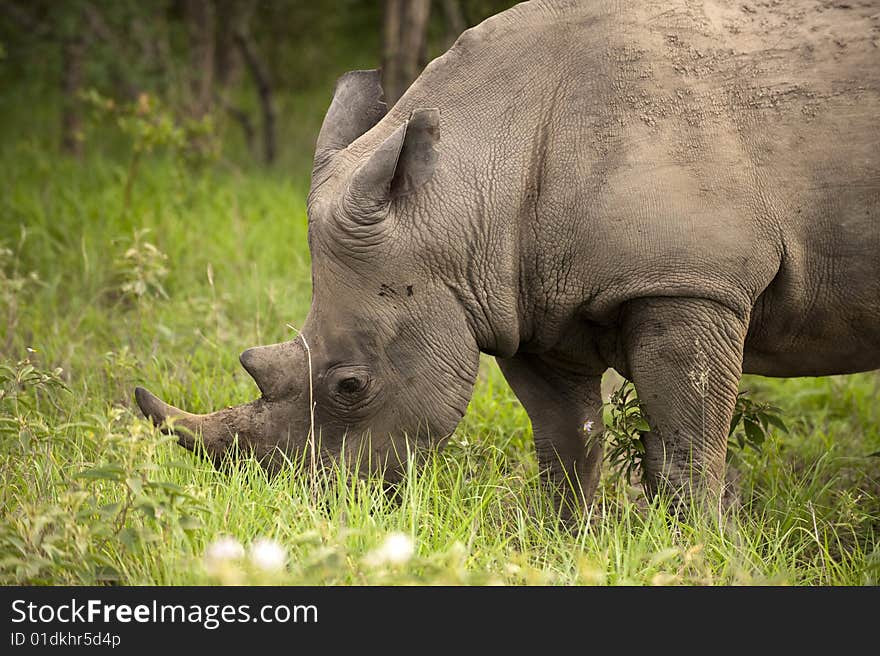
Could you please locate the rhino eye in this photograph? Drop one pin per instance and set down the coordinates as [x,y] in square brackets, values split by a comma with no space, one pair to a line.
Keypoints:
[350,386]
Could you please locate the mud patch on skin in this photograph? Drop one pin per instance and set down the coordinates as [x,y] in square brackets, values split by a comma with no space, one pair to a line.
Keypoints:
[387,291]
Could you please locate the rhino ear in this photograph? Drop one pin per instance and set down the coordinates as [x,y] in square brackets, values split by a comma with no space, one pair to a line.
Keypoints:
[358,104]
[400,165]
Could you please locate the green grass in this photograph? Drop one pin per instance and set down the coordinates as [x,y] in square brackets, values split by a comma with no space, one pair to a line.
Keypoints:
[145,511]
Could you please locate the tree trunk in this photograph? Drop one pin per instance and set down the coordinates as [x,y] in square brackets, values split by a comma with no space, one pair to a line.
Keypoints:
[404,31]
[391,49]
[228,65]
[201,28]
[72,52]
[264,91]
[98,31]
[233,17]
[454,19]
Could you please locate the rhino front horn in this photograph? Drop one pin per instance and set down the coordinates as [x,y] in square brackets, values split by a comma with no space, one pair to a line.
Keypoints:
[170,419]
[218,429]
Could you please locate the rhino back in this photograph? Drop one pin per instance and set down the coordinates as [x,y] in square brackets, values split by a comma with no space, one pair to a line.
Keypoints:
[597,152]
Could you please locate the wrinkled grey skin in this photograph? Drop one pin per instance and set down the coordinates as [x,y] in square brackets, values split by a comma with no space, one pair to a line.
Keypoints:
[681,192]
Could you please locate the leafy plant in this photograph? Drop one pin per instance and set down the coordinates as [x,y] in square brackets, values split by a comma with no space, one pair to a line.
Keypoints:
[756,420]
[141,268]
[151,125]
[144,506]
[23,389]
[117,500]
[626,424]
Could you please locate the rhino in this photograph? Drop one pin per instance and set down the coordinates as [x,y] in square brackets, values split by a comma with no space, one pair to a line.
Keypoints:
[682,192]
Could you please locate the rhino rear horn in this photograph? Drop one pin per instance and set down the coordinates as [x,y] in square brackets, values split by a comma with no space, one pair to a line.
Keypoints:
[400,165]
[358,104]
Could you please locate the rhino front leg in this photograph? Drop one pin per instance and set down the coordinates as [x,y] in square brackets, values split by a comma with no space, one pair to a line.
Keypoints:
[565,408]
[685,358]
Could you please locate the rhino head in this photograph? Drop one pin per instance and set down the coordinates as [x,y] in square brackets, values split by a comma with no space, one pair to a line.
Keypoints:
[385,362]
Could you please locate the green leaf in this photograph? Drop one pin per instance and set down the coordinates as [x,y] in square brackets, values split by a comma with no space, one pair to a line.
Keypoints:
[150,536]
[734,422]
[642,425]
[776,421]
[169,488]
[190,523]
[753,432]
[147,507]
[109,510]
[135,485]
[24,440]
[130,538]
[106,573]
[107,472]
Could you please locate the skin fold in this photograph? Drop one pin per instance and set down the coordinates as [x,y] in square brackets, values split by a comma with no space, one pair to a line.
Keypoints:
[684,192]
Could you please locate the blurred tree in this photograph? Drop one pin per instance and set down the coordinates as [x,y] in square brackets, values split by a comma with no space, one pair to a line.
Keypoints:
[247,63]
[231,16]
[454,19]
[201,21]
[404,49]
[477,10]
[72,56]
[61,26]
[260,75]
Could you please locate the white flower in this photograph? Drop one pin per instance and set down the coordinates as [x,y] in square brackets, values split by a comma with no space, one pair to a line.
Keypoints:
[268,555]
[221,551]
[397,549]
[588,426]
